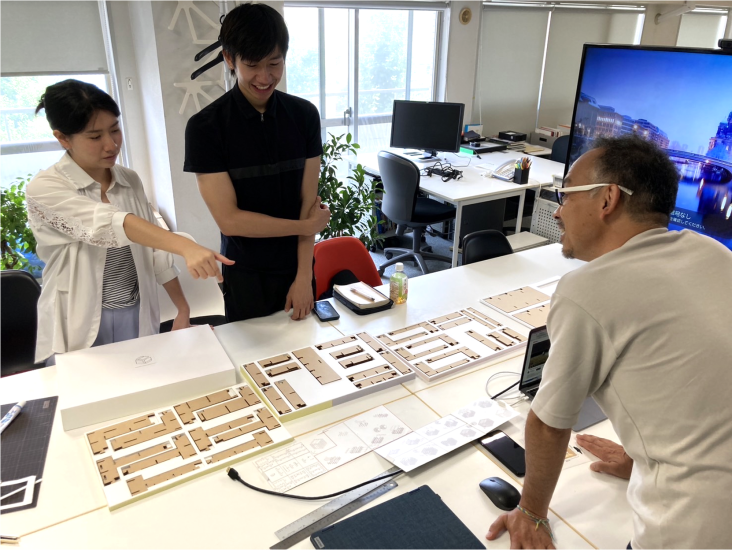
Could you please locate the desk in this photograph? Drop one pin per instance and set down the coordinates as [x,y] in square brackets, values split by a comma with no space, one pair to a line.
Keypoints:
[473,188]
[212,511]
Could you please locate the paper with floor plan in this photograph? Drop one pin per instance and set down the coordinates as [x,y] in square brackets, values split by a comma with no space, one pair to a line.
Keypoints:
[446,434]
[315,454]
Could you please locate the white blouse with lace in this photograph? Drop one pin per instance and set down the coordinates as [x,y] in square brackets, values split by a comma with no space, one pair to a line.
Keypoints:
[73,229]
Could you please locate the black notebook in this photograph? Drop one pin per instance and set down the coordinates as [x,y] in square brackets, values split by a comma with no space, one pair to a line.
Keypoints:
[418,519]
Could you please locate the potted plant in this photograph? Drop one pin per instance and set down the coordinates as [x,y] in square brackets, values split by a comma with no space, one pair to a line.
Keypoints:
[351,202]
[17,238]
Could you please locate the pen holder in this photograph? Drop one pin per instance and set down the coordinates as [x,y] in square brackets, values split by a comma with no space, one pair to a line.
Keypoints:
[521,176]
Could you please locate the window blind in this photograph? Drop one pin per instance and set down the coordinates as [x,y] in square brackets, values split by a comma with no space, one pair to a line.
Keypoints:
[51,38]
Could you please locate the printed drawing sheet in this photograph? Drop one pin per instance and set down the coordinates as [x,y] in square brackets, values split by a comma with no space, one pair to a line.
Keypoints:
[446,434]
[316,454]
[445,344]
[528,305]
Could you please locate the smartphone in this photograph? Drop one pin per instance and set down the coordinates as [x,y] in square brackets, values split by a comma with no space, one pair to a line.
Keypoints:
[507,451]
[325,311]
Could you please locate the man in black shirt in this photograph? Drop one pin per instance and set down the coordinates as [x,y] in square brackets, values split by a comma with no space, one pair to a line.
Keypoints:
[256,155]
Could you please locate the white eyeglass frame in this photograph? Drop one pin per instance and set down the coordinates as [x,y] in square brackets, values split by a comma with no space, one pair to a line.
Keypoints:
[565,190]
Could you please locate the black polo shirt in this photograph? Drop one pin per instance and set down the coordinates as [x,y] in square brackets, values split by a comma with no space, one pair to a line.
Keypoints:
[264,155]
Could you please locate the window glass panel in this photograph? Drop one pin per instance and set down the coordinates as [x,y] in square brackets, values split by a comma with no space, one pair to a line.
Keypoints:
[423,55]
[303,63]
[336,62]
[27,141]
[382,60]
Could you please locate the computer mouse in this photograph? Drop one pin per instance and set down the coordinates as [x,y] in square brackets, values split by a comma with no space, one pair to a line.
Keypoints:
[504,495]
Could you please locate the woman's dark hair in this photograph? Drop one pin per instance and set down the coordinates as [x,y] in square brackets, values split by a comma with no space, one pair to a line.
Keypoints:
[70,105]
[253,31]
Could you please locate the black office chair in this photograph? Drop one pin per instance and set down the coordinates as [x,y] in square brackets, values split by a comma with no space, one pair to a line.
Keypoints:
[560,149]
[484,245]
[19,319]
[402,205]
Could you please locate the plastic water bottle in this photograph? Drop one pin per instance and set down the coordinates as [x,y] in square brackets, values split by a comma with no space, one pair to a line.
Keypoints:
[398,285]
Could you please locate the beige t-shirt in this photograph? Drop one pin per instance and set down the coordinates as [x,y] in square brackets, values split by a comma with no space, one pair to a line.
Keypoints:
[647,330]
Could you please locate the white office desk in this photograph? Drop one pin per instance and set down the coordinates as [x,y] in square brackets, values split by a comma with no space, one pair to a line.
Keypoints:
[473,188]
[214,511]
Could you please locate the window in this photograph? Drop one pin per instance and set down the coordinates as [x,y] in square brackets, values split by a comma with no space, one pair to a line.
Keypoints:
[27,144]
[353,63]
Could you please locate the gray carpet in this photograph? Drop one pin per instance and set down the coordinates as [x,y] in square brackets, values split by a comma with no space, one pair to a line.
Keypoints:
[439,246]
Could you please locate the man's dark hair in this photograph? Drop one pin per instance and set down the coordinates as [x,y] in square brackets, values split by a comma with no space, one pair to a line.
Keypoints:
[643,167]
[71,104]
[253,31]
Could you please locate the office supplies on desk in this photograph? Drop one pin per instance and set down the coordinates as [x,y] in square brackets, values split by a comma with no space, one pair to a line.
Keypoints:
[417,519]
[511,135]
[12,413]
[521,171]
[332,511]
[23,452]
[502,172]
[361,298]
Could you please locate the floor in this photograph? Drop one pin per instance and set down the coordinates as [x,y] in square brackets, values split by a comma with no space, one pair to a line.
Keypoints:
[439,246]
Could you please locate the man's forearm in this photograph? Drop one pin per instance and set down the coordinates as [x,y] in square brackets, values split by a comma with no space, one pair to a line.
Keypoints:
[243,223]
[305,247]
[175,292]
[546,448]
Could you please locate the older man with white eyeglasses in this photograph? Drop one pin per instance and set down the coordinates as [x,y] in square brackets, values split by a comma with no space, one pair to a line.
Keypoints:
[644,328]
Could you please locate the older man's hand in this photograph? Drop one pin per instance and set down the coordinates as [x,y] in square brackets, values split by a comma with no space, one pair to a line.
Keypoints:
[613,458]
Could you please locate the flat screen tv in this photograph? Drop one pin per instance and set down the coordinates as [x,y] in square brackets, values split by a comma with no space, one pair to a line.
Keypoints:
[679,98]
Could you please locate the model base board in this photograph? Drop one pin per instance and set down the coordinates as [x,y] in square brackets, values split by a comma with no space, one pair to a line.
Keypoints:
[154,451]
[449,343]
[529,305]
[310,379]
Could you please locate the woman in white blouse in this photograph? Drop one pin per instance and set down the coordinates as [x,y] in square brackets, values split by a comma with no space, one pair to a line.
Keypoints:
[95,230]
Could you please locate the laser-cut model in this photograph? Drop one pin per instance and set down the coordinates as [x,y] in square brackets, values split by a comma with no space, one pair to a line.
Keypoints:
[529,305]
[147,454]
[326,374]
[448,343]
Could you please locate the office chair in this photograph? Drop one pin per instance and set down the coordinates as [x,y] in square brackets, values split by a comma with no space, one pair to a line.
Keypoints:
[484,245]
[402,205]
[342,260]
[560,149]
[20,293]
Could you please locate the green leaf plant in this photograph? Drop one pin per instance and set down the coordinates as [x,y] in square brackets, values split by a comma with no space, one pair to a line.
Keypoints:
[17,237]
[351,202]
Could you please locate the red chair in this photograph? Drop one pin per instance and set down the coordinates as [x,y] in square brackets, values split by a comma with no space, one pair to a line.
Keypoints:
[339,253]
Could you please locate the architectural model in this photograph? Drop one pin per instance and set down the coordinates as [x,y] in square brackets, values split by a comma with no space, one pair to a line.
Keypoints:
[317,377]
[529,305]
[154,451]
[443,345]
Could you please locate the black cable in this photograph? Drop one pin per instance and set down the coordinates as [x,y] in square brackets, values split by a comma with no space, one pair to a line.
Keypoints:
[504,391]
[233,474]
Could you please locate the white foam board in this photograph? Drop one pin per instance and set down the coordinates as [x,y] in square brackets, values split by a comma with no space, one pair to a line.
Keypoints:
[117,380]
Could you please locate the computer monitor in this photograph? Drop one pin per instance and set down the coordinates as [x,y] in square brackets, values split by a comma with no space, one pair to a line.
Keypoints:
[430,126]
[678,98]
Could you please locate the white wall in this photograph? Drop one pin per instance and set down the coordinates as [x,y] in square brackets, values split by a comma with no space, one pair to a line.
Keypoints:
[462,56]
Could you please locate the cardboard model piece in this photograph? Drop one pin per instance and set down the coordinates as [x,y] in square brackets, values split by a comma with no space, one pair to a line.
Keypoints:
[313,378]
[153,451]
[529,304]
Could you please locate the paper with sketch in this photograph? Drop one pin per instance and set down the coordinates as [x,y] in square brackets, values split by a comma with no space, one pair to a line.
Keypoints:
[446,434]
[315,454]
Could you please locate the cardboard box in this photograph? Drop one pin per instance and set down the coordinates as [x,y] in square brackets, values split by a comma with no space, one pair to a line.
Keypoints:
[109,382]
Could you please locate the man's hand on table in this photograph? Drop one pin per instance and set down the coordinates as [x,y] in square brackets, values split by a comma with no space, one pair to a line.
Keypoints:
[522,530]
[613,458]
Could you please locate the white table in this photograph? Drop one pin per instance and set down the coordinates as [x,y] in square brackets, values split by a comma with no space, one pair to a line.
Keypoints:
[473,188]
[213,511]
